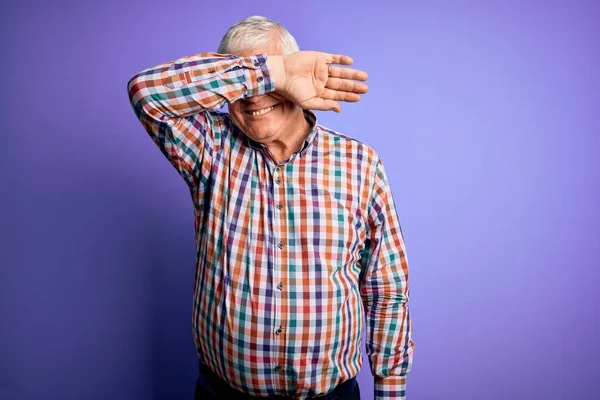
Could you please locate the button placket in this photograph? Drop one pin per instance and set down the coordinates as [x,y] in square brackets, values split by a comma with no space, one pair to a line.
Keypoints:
[278,262]
[276,198]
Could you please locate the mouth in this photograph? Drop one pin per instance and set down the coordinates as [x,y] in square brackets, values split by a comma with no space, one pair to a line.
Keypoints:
[262,111]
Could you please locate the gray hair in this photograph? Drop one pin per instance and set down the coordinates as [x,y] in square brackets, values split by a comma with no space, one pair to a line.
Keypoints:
[256,31]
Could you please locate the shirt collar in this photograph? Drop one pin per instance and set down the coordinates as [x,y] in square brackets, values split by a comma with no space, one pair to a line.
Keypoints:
[312,135]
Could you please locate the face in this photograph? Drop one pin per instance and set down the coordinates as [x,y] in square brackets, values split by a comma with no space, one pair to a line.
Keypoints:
[264,118]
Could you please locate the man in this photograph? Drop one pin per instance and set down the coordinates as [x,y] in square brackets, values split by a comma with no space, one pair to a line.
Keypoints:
[297,232]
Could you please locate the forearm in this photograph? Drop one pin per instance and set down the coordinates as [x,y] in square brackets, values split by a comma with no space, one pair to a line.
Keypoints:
[389,348]
[198,83]
[389,329]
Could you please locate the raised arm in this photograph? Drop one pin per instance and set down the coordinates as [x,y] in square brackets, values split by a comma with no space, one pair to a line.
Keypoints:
[173,101]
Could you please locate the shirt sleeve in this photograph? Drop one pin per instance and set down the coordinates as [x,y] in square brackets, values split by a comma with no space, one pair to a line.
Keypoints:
[175,102]
[384,290]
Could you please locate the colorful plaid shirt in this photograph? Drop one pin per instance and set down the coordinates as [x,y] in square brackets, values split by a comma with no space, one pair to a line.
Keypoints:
[293,258]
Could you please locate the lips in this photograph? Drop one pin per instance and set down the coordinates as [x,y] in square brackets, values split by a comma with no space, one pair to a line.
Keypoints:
[261,111]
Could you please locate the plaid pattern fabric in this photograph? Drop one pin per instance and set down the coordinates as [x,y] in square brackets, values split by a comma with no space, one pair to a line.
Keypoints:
[291,257]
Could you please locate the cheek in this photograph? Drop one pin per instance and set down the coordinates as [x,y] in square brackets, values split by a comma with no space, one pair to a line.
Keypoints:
[287,109]
[236,115]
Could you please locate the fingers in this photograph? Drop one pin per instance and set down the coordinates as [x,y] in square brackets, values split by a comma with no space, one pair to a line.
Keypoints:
[322,104]
[345,85]
[340,96]
[344,90]
[338,59]
[347,73]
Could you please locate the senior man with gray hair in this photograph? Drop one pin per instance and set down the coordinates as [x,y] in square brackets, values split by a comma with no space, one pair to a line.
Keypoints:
[297,234]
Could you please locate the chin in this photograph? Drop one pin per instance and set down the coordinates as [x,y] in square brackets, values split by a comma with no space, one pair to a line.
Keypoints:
[261,130]
[260,135]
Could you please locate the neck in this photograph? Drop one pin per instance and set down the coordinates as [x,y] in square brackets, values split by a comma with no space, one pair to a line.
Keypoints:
[282,148]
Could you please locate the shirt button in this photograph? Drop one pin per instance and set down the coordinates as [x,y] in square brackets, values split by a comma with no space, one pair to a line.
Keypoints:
[212,71]
[277,368]
[279,206]
[260,78]
[278,181]
[277,169]
[280,245]
[279,331]
[280,285]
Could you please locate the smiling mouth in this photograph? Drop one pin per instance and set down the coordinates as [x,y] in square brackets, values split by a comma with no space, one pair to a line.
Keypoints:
[262,111]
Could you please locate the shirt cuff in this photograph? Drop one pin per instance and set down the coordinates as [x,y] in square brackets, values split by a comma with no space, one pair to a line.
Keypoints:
[390,387]
[259,80]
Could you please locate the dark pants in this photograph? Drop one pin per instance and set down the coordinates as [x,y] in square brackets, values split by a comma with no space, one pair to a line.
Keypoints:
[211,387]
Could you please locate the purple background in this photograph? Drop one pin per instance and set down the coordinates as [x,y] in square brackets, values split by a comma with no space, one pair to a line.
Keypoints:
[485,113]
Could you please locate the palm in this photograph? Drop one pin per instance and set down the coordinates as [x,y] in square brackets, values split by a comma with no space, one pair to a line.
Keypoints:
[312,83]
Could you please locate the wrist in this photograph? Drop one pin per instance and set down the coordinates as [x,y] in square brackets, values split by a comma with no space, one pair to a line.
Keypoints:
[276,65]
